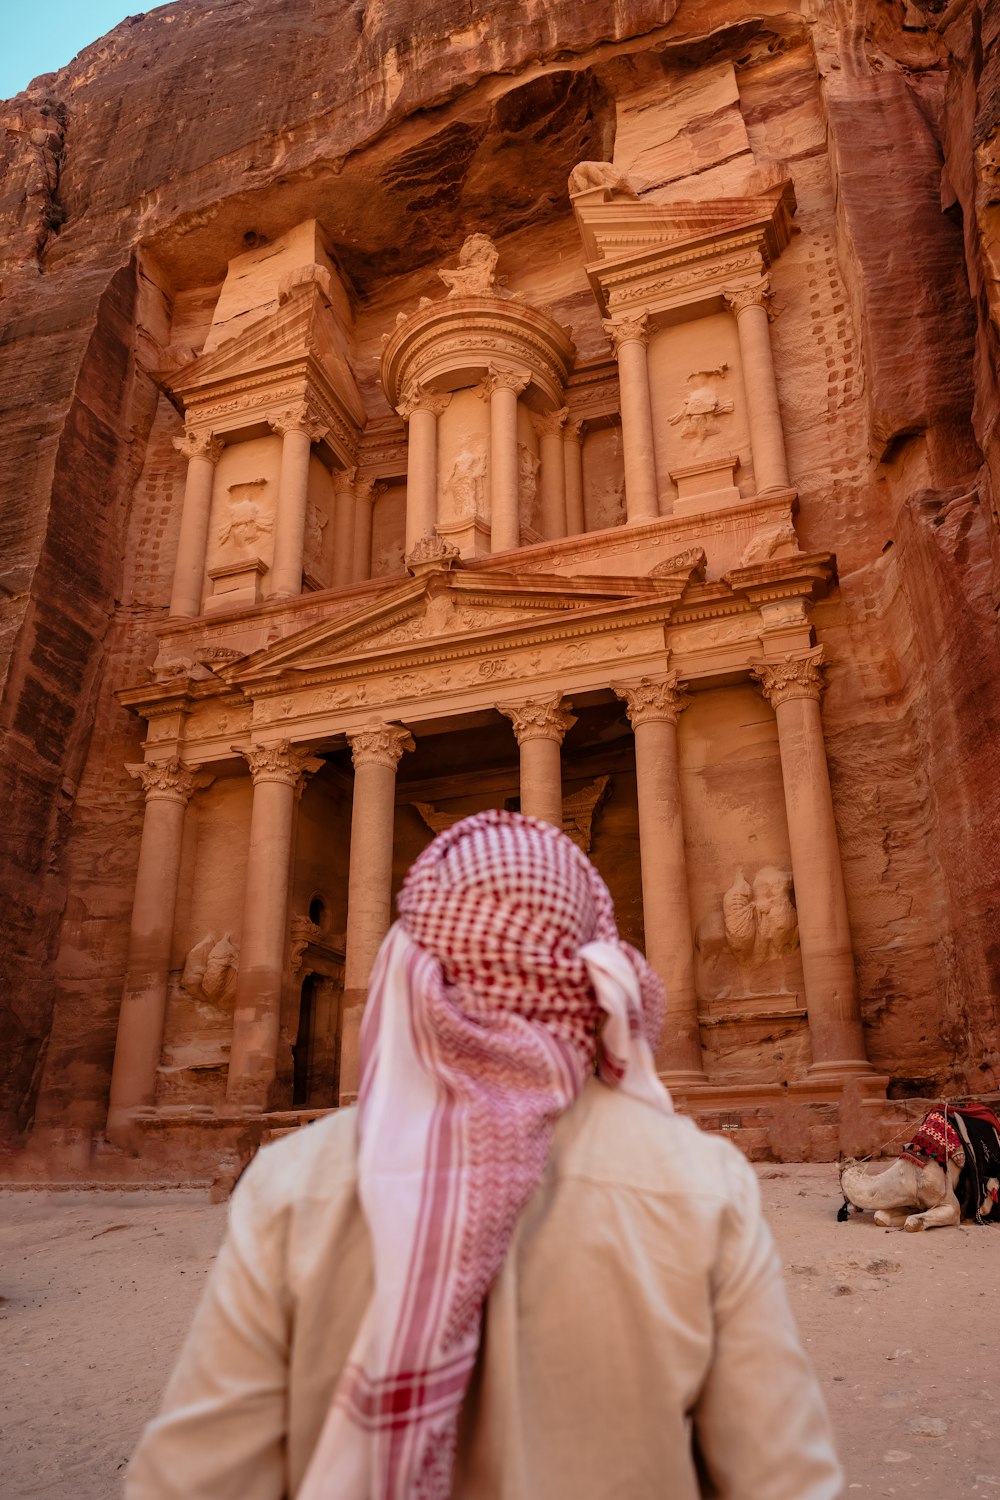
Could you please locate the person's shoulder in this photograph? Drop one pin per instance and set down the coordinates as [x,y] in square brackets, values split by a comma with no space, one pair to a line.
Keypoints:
[609,1136]
[315,1159]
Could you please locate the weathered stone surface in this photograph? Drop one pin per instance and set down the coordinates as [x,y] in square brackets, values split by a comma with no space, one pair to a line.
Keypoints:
[119,217]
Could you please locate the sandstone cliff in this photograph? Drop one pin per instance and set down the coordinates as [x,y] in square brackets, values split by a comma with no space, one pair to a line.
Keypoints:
[133,175]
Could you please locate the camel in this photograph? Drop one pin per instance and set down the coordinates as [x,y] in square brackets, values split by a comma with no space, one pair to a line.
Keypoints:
[901,1190]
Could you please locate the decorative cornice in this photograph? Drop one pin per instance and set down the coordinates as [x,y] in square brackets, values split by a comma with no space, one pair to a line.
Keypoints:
[196,444]
[380,745]
[502,380]
[417,397]
[652,700]
[302,417]
[167,780]
[282,763]
[738,299]
[538,719]
[633,330]
[792,677]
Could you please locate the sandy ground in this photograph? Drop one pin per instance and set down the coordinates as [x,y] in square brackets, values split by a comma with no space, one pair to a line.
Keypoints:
[98,1288]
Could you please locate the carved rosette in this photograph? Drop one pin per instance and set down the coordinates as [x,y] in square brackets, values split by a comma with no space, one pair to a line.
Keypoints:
[652,700]
[539,719]
[627,330]
[551,424]
[380,745]
[283,763]
[502,380]
[302,417]
[738,299]
[417,397]
[200,445]
[792,677]
[166,780]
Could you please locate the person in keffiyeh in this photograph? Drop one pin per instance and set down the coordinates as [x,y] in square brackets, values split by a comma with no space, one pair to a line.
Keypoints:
[512,1271]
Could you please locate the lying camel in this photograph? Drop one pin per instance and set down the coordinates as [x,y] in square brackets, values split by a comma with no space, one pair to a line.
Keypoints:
[902,1189]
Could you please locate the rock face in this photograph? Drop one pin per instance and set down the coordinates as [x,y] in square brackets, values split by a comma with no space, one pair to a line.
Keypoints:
[218,173]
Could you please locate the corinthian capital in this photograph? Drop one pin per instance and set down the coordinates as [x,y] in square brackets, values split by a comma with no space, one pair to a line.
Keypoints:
[284,762]
[344,481]
[627,330]
[417,397]
[301,417]
[200,445]
[496,379]
[538,719]
[652,699]
[792,677]
[738,299]
[380,745]
[166,780]
[551,424]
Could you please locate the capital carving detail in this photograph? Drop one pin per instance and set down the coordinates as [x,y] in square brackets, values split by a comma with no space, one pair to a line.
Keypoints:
[792,677]
[551,424]
[380,745]
[502,380]
[344,481]
[627,330]
[301,417]
[200,445]
[538,719]
[573,430]
[653,700]
[738,299]
[284,763]
[166,780]
[417,397]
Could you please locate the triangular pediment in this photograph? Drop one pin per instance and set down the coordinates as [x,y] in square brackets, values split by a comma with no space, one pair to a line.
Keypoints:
[298,337]
[459,607]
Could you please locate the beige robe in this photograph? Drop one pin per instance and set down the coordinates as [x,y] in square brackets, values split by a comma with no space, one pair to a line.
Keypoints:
[638,1344]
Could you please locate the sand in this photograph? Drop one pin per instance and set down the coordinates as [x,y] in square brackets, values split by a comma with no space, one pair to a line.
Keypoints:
[98,1288]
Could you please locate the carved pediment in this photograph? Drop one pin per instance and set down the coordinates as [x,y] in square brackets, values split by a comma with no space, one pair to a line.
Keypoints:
[451,610]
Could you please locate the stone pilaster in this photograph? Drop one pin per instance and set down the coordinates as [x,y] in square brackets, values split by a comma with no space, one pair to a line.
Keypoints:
[540,725]
[502,388]
[553,473]
[573,465]
[793,686]
[630,337]
[202,451]
[751,307]
[420,408]
[277,771]
[653,706]
[299,427]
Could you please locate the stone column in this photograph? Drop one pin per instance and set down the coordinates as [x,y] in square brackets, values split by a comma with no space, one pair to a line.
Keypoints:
[202,452]
[629,336]
[168,786]
[653,707]
[752,307]
[365,495]
[540,725]
[299,428]
[573,462]
[344,521]
[502,389]
[277,771]
[792,686]
[376,752]
[552,478]
[421,408]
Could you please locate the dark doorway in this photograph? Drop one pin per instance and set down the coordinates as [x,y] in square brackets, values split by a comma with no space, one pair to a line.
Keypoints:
[302,1051]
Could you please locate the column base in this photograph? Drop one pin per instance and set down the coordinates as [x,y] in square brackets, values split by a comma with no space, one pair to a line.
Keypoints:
[678,1079]
[839,1070]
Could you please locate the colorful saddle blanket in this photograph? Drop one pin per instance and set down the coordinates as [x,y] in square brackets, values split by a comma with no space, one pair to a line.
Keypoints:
[969,1136]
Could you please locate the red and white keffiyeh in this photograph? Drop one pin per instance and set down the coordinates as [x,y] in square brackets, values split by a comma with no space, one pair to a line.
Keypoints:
[492,998]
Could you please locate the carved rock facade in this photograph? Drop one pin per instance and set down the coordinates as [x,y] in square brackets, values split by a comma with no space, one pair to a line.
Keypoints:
[629,482]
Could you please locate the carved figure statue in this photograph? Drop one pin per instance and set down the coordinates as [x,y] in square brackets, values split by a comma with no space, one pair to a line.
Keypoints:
[702,405]
[587,176]
[475,276]
[316,523]
[528,465]
[466,484]
[246,523]
[210,970]
[747,944]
